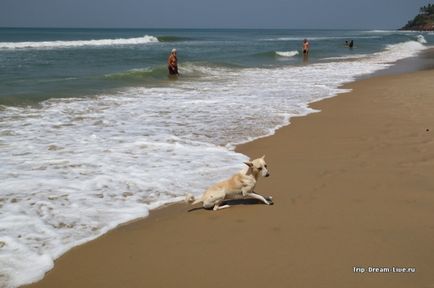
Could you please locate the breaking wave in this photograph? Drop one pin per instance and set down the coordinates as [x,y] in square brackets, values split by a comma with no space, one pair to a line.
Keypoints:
[287,53]
[78,43]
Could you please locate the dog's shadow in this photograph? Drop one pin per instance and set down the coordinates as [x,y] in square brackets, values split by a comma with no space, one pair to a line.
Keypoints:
[236,202]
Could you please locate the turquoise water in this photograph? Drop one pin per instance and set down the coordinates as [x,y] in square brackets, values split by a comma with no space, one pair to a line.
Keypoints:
[93,133]
[32,72]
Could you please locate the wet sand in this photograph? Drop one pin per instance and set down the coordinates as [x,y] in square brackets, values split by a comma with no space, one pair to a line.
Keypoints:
[353,187]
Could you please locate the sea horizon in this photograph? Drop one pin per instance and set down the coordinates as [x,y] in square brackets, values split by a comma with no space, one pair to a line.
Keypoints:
[203,28]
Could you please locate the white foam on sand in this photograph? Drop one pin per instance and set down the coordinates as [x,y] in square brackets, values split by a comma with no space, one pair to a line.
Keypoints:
[78,43]
[75,168]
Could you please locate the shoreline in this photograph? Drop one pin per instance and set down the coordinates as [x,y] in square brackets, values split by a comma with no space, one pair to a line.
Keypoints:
[170,215]
[421,62]
[107,171]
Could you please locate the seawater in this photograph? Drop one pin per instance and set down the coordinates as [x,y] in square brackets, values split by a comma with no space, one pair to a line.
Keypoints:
[94,134]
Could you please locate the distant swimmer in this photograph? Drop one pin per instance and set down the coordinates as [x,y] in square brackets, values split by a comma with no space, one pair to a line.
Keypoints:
[172,63]
[305,47]
[351,44]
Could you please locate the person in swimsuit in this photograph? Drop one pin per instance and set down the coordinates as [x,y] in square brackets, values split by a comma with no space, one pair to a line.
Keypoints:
[172,63]
[305,47]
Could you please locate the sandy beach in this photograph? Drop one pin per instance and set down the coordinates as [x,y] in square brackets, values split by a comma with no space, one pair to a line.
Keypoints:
[353,189]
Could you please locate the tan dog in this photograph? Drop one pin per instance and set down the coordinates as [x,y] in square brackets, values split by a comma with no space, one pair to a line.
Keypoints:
[240,185]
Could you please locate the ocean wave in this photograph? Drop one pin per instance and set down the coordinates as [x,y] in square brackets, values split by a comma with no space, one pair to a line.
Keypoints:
[139,74]
[391,53]
[188,70]
[382,31]
[346,57]
[205,70]
[320,38]
[421,39]
[395,52]
[390,31]
[274,54]
[170,38]
[78,43]
[287,53]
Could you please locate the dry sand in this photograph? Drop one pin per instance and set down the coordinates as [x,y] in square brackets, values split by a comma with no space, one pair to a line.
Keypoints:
[353,186]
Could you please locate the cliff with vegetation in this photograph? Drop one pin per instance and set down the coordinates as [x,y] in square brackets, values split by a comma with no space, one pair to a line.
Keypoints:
[422,22]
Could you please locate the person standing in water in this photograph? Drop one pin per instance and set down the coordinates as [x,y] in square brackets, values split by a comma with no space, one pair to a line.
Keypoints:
[172,63]
[349,45]
[305,47]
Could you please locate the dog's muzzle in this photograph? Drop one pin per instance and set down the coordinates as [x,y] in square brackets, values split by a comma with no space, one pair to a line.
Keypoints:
[268,174]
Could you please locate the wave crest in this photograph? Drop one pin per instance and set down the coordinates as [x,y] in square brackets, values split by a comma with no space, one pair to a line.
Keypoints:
[78,43]
[139,74]
[287,53]
[421,39]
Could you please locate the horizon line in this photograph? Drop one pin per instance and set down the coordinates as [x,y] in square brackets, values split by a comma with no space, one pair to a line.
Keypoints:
[193,28]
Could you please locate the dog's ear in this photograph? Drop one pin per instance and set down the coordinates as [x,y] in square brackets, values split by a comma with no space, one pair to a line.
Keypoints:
[250,164]
[263,157]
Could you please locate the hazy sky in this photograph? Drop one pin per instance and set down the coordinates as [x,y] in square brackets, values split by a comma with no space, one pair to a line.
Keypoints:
[338,14]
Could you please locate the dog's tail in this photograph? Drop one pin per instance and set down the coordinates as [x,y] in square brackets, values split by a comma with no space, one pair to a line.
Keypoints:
[189,198]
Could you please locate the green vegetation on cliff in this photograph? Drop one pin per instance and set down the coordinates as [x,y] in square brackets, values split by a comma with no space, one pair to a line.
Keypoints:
[422,22]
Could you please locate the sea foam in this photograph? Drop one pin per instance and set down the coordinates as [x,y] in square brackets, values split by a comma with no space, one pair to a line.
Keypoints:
[78,43]
[73,169]
[421,39]
[287,53]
